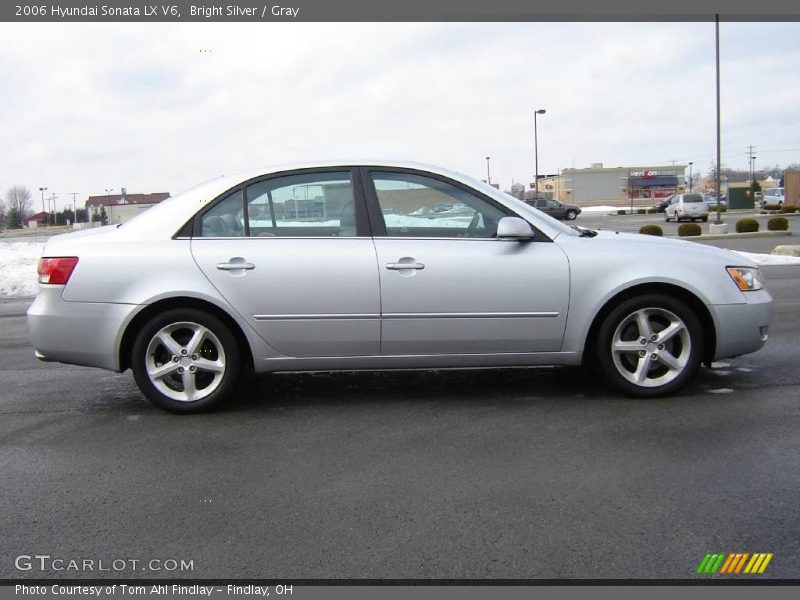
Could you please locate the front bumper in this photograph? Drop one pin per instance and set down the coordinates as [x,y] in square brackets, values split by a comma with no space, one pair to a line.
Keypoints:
[77,333]
[742,328]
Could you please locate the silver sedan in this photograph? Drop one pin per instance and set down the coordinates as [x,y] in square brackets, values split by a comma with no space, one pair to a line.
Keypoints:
[342,266]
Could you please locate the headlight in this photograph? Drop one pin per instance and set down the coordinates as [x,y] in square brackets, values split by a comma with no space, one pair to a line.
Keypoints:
[747,279]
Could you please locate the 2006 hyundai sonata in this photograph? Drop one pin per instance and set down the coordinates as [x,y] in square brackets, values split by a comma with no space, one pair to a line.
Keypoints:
[341,266]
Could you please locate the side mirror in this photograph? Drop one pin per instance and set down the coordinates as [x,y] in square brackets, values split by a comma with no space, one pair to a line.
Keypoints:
[514,228]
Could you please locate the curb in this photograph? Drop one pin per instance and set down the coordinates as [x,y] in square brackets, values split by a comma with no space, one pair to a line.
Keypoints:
[724,236]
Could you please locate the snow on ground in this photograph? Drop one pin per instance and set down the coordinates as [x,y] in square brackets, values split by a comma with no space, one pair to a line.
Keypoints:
[770,259]
[18,261]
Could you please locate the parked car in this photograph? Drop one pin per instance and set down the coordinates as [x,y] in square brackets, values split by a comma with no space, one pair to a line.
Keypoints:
[711,202]
[226,276]
[686,207]
[555,209]
[662,205]
[773,196]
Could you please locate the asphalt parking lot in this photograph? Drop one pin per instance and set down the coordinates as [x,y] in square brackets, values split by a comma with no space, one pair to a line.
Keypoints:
[514,473]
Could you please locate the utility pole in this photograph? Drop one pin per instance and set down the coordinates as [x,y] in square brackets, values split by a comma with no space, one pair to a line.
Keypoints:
[74,207]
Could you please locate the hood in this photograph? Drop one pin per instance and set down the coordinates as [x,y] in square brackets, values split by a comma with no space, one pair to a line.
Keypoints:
[680,246]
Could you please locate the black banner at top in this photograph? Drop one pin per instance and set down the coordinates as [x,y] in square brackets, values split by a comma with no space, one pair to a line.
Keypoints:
[405,10]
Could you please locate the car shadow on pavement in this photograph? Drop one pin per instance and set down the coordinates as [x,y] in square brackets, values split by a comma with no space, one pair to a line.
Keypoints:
[457,386]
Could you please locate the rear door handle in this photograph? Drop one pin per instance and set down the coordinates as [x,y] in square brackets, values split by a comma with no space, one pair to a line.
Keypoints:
[404,265]
[235,265]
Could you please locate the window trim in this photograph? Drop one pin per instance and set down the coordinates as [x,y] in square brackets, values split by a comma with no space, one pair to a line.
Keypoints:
[378,224]
[362,220]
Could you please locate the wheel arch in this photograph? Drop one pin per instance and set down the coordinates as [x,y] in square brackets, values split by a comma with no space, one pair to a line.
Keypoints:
[666,289]
[143,316]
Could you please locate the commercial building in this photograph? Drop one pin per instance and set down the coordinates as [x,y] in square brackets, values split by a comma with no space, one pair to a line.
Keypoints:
[121,207]
[598,185]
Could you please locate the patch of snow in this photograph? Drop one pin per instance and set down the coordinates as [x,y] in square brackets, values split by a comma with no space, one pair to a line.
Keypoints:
[18,263]
[433,220]
[770,259]
[721,391]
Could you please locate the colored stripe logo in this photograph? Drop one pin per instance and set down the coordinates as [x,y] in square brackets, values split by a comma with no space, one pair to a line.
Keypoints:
[735,563]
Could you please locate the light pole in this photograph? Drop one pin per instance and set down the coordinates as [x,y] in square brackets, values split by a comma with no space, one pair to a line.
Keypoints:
[690,176]
[42,190]
[718,220]
[488,174]
[538,111]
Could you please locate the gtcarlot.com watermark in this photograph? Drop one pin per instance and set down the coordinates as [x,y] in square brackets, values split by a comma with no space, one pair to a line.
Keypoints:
[46,563]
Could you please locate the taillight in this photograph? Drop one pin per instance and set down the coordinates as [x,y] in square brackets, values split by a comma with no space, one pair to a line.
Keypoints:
[57,270]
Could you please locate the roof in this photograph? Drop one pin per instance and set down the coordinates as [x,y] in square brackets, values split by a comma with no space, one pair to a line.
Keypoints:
[677,167]
[40,216]
[113,199]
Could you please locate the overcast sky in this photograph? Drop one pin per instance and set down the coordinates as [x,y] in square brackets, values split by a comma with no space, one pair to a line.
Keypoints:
[161,107]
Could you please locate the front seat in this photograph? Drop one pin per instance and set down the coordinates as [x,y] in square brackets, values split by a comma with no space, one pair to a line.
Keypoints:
[347,221]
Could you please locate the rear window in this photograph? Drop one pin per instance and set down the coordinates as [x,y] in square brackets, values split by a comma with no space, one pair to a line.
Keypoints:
[693,198]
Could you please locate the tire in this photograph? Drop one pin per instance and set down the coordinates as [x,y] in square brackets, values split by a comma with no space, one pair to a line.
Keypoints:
[704,219]
[618,348]
[163,363]
[666,217]
[571,215]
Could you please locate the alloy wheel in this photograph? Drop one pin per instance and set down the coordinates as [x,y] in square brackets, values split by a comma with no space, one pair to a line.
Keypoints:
[651,347]
[185,361]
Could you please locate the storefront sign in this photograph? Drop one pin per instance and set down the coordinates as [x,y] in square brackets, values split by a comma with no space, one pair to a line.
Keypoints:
[651,173]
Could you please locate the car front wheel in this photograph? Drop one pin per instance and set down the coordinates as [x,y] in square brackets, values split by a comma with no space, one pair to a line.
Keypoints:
[185,361]
[649,346]
[571,214]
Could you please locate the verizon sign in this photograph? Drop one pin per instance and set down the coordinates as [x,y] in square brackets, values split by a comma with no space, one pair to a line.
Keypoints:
[651,173]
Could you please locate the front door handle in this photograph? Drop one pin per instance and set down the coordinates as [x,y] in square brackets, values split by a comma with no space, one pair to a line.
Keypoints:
[401,266]
[235,264]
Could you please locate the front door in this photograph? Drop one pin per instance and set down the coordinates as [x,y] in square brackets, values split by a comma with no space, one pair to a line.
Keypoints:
[448,285]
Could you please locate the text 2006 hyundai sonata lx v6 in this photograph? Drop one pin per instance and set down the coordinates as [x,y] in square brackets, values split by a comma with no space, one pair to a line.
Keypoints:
[389,265]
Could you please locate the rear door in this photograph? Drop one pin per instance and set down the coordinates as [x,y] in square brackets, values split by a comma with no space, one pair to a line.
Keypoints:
[292,255]
[448,285]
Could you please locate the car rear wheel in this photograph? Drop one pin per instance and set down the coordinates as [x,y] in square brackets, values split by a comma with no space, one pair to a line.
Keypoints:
[571,215]
[649,346]
[185,361]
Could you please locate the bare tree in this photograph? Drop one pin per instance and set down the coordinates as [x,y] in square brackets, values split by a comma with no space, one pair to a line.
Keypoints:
[2,213]
[18,199]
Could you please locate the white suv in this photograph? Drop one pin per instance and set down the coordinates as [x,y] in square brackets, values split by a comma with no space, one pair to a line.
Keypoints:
[773,196]
[686,206]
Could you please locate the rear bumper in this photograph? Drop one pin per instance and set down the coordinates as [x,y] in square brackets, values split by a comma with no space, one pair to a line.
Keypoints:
[77,333]
[742,328]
